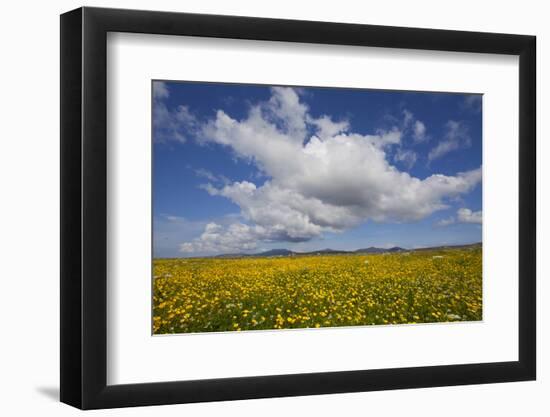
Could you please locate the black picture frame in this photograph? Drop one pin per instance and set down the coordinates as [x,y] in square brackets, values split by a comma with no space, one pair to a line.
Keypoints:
[84,207]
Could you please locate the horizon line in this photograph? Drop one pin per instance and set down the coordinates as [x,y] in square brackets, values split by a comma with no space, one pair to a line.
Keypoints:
[323,249]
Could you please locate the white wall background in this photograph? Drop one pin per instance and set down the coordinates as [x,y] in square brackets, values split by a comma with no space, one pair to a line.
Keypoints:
[29,226]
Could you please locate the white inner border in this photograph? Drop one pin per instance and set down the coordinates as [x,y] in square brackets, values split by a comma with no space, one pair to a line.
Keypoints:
[134,356]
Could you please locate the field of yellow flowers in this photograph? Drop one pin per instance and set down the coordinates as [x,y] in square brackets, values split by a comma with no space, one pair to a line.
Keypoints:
[212,295]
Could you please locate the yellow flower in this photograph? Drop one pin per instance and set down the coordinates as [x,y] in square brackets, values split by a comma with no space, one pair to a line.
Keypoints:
[201,295]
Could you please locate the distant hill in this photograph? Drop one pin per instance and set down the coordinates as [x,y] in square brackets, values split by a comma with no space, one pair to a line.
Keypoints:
[467,246]
[328,251]
[324,252]
[275,252]
[287,252]
[373,249]
[227,255]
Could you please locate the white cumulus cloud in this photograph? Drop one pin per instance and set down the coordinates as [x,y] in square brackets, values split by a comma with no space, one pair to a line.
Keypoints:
[466,215]
[236,237]
[322,177]
[463,215]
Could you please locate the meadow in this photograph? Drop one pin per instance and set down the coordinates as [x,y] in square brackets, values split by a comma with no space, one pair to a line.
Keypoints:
[254,293]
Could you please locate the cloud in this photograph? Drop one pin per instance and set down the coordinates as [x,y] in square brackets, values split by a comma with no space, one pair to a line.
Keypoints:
[174,219]
[408,118]
[327,128]
[210,176]
[330,181]
[237,237]
[416,128]
[473,102]
[285,107]
[466,215]
[170,230]
[446,222]
[419,131]
[160,90]
[233,238]
[410,126]
[463,215]
[406,157]
[170,125]
[456,137]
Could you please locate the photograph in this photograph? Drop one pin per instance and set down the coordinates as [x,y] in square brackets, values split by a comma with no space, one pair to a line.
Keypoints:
[267,206]
[293,207]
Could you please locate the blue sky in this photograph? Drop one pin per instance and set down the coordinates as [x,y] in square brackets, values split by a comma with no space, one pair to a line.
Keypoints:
[246,168]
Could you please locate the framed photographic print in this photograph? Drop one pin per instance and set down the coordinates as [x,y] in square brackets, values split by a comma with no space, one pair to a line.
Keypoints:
[257,208]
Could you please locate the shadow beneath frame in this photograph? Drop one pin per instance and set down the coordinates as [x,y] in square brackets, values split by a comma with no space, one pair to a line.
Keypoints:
[50,392]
